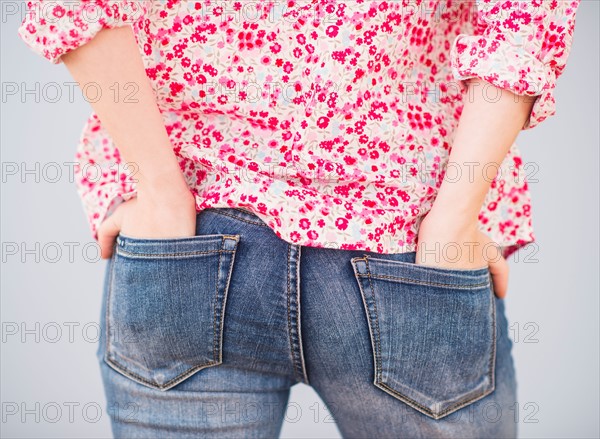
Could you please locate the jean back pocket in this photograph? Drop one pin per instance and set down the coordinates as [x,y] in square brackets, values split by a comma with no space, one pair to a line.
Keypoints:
[165,306]
[433,332]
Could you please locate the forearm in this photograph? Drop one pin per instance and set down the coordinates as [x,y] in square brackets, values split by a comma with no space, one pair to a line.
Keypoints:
[484,135]
[134,124]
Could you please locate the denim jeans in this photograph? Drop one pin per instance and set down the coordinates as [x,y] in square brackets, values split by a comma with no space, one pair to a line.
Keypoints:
[204,337]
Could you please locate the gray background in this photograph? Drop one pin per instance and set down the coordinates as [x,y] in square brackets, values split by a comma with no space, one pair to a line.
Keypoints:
[552,303]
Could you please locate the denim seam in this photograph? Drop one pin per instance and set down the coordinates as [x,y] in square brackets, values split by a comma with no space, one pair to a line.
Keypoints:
[434,284]
[427,411]
[171,383]
[379,365]
[125,240]
[293,328]
[299,315]
[455,272]
[215,336]
[132,255]
[369,323]
[231,262]
[289,318]
[492,366]
[108,305]
[113,356]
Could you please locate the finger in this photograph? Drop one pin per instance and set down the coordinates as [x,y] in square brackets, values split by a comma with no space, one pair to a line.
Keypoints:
[499,272]
[107,233]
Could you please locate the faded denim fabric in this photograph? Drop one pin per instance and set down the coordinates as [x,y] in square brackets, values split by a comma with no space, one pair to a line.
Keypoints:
[204,337]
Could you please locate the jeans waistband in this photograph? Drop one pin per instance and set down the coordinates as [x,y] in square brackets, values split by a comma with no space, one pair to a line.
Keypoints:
[238,212]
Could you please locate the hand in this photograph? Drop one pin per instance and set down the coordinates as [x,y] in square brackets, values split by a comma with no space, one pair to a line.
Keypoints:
[168,214]
[456,245]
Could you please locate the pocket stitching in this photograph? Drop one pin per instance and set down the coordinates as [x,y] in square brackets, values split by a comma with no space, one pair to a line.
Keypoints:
[174,381]
[133,255]
[171,383]
[429,412]
[185,239]
[374,338]
[226,294]
[378,381]
[424,268]
[215,336]
[429,283]
[457,272]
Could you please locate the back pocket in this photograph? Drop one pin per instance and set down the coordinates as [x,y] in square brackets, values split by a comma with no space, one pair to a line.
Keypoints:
[166,305]
[433,332]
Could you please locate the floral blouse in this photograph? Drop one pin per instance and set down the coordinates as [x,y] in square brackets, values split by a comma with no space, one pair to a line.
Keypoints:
[331,120]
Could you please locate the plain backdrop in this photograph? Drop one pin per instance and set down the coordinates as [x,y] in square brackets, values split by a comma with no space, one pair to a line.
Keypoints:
[50,380]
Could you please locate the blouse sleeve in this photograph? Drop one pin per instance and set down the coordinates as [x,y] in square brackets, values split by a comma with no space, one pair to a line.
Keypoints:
[522,46]
[52,28]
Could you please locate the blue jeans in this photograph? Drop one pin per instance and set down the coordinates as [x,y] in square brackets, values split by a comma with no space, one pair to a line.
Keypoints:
[204,337]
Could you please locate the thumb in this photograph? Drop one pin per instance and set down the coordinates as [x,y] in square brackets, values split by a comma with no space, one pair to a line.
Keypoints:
[499,271]
[107,233]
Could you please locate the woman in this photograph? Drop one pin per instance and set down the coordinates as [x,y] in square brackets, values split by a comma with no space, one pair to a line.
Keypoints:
[307,191]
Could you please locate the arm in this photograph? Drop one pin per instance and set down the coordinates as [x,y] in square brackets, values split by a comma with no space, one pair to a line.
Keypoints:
[520,53]
[485,132]
[95,40]
[164,206]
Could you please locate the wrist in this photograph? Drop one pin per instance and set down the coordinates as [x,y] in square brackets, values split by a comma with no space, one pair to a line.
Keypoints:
[451,220]
[459,206]
[160,171]
[165,185]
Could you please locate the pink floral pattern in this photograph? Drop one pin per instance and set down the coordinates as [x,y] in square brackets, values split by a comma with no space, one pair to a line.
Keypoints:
[331,120]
